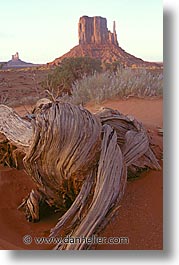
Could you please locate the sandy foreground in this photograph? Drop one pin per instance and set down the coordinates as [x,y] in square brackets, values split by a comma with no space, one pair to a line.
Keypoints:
[140,214]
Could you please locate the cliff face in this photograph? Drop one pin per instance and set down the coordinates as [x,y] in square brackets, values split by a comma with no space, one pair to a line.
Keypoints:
[96,41]
[93,30]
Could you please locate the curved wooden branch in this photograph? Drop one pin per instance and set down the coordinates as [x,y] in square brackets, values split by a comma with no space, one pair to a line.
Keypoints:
[130,132]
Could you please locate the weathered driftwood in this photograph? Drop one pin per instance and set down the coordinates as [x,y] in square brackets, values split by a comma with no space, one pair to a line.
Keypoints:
[16,130]
[79,162]
[130,132]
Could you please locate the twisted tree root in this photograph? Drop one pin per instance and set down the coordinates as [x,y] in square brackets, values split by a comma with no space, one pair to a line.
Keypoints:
[79,162]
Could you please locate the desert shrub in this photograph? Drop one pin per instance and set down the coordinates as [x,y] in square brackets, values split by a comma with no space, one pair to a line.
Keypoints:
[124,83]
[112,67]
[70,70]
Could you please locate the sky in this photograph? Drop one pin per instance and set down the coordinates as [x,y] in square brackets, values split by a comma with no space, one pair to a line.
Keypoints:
[42,30]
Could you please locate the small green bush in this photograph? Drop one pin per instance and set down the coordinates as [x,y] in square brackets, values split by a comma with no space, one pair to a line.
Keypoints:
[68,71]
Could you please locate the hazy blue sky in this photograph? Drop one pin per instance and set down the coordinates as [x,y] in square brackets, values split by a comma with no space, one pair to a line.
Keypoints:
[41,30]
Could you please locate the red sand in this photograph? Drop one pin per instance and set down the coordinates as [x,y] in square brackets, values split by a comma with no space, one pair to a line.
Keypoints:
[140,216]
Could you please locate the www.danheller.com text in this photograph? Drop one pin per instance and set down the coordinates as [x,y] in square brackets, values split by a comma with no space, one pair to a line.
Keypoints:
[27,239]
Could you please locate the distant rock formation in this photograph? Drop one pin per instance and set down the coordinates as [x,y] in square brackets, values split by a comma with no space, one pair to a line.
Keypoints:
[93,30]
[96,41]
[15,57]
[15,62]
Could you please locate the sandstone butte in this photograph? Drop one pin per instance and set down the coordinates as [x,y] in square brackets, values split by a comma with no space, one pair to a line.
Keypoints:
[96,41]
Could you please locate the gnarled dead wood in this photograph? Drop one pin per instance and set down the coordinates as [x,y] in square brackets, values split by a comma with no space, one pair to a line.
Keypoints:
[79,162]
[15,129]
[129,130]
[109,187]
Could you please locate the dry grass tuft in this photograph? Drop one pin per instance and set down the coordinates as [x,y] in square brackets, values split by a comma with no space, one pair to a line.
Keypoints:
[124,83]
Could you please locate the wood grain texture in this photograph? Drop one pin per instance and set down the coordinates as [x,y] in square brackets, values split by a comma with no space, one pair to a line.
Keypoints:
[79,162]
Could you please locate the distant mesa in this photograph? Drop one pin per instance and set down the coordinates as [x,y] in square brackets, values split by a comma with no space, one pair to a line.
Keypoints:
[96,41]
[15,62]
